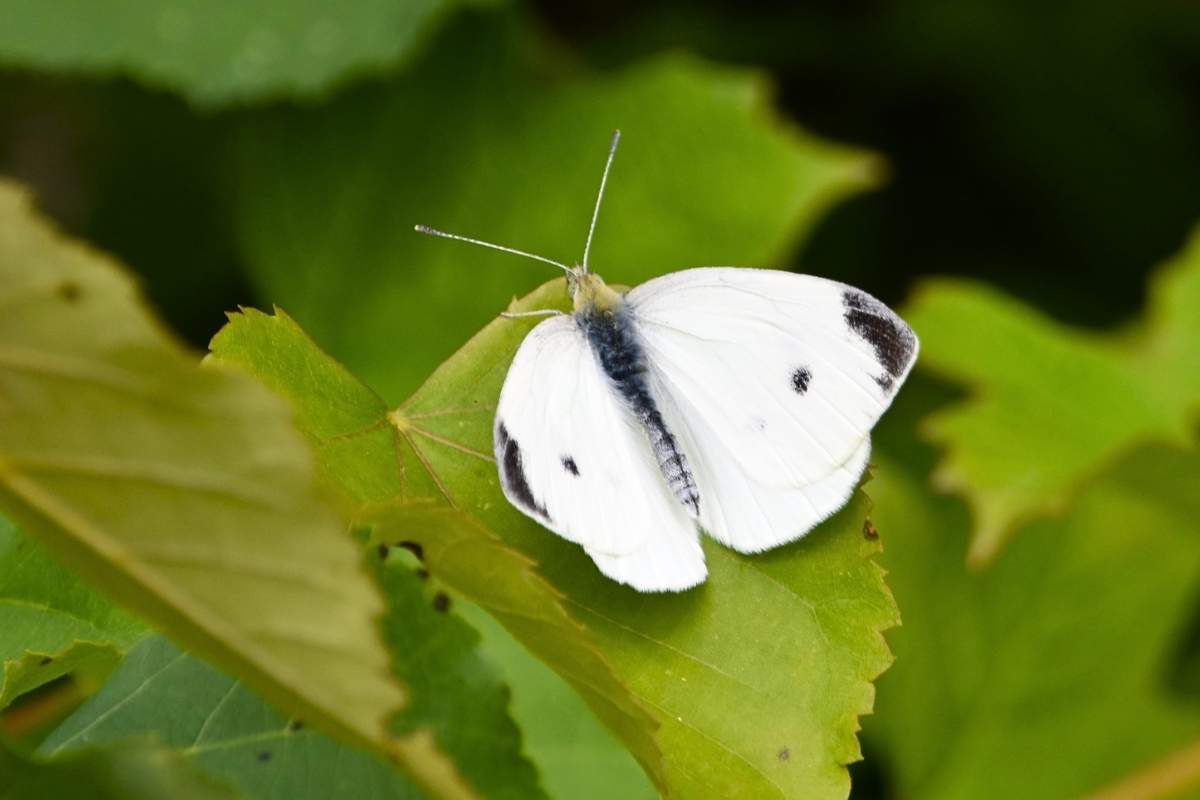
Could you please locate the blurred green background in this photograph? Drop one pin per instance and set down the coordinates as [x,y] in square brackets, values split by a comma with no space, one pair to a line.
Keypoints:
[1049,150]
[1053,149]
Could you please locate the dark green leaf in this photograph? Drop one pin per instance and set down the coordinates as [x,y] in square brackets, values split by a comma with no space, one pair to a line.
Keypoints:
[223,728]
[456,694]
[138,770]
[1041,676]
[215,51]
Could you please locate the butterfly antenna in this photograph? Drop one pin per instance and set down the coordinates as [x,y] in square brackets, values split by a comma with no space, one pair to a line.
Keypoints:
[434,232]
[612,151]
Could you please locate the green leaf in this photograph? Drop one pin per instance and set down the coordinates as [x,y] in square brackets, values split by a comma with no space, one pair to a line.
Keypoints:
[226,729]
[1042,676]
[51,623]
[184,493]
[139,770]
[1050,406]
[477,138]
[578,757]
[216,51]
[755,680]
[456,694]
[223,728]
[368,462]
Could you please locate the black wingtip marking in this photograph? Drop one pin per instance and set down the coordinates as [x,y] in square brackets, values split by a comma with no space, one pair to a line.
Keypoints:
[512,473]
[570,466]
[893,341]
[800,380]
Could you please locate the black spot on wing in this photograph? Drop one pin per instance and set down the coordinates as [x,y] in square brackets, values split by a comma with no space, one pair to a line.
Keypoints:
[800,380]
[512,473]
[892,340]
[570,466]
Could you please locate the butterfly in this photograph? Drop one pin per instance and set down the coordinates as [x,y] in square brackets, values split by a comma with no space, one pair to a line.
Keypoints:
[734,401]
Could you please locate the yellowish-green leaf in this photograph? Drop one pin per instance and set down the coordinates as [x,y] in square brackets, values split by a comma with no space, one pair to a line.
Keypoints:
[750,686]
[184,493]
[1050,406]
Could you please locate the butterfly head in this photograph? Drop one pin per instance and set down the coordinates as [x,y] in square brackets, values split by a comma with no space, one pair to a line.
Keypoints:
[589,292]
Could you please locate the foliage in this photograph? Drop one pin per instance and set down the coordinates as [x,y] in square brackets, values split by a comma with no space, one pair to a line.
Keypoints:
[1050,405]
[53,623]
[136,770]
[286,570]
[223,727]
[1026,680]
[708,704]
[184,493]
[704,176]
[216,52]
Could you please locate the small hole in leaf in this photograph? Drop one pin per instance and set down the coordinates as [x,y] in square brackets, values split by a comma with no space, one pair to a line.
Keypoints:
[413,548]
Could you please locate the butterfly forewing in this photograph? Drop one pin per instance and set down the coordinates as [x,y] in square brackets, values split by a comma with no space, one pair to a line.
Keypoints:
[574,457]
[773,382]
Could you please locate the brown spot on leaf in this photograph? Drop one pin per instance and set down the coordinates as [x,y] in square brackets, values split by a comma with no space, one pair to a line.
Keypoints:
[785,754]
[441,602]
[69,291]
[869,531]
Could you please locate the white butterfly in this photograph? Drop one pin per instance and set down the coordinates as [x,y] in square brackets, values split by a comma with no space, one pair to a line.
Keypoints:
[737,401]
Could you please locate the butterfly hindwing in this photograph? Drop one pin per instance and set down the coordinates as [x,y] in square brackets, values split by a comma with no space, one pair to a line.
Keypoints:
[573,456]
[772,381]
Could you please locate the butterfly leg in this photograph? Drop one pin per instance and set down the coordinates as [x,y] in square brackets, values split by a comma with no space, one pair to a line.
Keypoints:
[545,312]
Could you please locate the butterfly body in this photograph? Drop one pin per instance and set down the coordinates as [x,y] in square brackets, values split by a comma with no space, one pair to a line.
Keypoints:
[610,333]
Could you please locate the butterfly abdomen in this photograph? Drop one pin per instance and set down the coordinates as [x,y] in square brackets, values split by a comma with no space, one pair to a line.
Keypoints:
[611,336]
